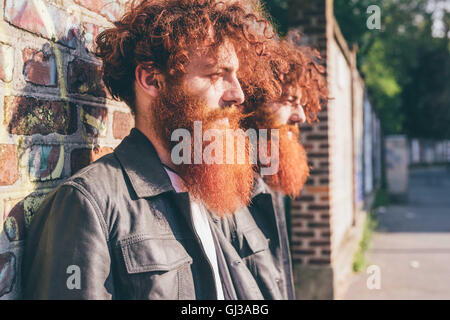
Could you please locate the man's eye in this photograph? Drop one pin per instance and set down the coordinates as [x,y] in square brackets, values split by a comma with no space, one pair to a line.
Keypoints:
[215,76]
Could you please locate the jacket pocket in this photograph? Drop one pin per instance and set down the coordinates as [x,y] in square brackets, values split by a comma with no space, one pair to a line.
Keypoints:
[254,241]
[157,268]
[258,258]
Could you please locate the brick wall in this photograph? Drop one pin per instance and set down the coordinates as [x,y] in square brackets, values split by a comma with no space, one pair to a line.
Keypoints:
[56,114]
[310,214]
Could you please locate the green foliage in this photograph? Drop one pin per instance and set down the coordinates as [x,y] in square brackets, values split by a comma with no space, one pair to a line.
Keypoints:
[381,199]
[370,224]
[359,260]
[278,9]
[407,70]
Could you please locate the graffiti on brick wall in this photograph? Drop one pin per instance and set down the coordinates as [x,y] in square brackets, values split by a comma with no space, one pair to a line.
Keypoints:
[54,110]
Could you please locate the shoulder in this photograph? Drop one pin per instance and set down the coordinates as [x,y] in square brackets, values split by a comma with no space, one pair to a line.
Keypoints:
[91,191]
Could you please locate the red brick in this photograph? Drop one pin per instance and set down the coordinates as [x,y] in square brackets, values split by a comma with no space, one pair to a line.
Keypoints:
[318,225]
[318,171]
[306,234]
[318,137]
[85,78]
[317,189]
[94,120]
[304,252]
[9,164]
[318,207]
[39,67]
[317,155]
[325,234]
[306,198]
[298,224]
[319,261]
[305,216]
[82,157]
[122,124]
[29,115]
[25,15]
[319,243]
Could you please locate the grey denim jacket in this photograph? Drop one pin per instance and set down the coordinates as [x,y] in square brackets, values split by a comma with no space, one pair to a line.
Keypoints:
[122,227]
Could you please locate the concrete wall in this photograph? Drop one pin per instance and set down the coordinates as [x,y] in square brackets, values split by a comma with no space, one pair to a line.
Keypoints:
[397,162]
[56,114]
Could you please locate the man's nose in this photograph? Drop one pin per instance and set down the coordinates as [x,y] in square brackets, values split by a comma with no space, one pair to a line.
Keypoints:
[234,94]
[300,112]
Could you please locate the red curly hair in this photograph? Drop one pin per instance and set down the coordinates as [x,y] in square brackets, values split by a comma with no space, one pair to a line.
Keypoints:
[293,67]
[158,34]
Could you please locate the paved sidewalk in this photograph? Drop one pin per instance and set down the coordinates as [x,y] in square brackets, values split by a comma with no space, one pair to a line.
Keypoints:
[411,246]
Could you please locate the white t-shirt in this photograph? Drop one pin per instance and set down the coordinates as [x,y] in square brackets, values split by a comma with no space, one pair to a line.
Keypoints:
[203,229]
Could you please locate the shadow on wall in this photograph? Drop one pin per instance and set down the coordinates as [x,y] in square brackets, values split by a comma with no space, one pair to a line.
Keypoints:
[56,119]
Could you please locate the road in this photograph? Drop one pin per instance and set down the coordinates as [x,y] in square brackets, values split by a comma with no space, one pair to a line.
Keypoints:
[411,247]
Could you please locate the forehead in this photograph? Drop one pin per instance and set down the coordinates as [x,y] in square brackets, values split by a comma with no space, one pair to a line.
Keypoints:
[224,56]
[291,90]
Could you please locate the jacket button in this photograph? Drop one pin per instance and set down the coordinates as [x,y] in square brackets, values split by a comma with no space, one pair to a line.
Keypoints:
[216,220]
[236,263]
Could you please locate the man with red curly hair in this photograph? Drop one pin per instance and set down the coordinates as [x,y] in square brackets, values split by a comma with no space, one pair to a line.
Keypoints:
[303,92]
[135,223]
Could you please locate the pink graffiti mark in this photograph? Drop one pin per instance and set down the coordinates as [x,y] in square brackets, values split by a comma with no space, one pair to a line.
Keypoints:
[24,13]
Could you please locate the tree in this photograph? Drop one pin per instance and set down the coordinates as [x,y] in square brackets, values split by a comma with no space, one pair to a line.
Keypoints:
[405,67]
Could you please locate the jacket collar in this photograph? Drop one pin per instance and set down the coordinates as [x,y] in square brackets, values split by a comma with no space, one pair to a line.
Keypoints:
[259,186]
[141,163]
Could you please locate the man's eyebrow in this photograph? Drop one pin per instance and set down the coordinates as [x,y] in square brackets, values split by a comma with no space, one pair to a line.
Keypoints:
[224,67]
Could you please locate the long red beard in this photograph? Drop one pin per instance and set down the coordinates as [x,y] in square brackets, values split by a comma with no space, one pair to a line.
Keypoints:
[293,168]
[223,188]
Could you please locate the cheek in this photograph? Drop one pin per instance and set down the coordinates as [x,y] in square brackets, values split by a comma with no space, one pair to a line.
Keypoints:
[209,92]
[282,114]
[213,94]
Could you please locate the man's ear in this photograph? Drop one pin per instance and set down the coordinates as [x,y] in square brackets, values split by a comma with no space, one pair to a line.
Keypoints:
[149,79]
